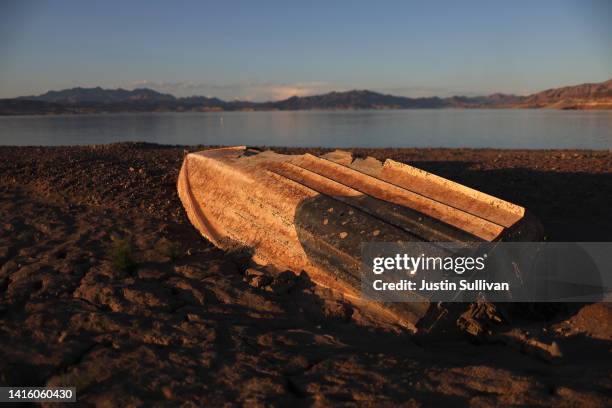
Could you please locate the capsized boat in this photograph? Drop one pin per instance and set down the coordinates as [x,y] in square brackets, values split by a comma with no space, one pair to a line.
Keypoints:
[309,213]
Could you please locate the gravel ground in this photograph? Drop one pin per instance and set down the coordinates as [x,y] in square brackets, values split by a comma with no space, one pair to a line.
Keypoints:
[187,324]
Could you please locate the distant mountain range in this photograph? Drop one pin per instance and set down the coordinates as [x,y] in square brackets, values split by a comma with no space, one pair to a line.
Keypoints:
[98,100]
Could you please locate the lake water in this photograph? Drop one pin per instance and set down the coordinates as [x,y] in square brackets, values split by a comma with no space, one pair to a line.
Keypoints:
[535,129]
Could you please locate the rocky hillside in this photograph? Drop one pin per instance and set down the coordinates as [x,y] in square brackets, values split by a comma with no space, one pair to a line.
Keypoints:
[93,100]
[99,95]
[585,96]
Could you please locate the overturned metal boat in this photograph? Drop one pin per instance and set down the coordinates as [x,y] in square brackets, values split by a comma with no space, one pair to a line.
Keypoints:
[309,213]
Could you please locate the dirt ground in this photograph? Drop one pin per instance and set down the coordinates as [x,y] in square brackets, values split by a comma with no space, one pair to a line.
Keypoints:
[190,325]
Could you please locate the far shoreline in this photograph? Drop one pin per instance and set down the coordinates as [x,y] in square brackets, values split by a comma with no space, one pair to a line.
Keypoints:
[358,150]
[213,111]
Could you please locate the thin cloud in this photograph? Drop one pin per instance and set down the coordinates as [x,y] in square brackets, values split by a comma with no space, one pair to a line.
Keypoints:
[440,91]
[251,91]
[271,91]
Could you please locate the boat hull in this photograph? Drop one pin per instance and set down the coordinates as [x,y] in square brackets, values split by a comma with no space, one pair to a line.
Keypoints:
[312,214]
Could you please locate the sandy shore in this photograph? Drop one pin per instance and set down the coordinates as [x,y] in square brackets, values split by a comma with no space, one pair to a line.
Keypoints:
[190,324]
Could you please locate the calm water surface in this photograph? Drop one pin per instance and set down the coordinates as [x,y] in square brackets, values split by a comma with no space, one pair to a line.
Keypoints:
[388,128]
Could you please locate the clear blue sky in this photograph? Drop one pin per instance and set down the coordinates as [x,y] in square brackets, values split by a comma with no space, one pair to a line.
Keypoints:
[271,49]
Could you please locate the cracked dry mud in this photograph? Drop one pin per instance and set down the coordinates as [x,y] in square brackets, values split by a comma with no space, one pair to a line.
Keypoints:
[194,326]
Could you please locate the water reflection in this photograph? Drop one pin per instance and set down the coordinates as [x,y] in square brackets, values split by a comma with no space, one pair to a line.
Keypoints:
[387,128]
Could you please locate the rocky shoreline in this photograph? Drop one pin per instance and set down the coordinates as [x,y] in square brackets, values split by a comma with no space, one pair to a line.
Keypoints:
[189,324]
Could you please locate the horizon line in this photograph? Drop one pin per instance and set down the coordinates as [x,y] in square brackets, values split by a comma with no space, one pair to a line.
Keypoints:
[326,92]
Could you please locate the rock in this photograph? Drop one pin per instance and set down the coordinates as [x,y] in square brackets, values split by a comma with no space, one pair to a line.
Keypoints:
[151,273]
[284,282]
[480,319]
[4,253]
[167,391]
[261,281]
[193,271]
[257,278]
[522,341]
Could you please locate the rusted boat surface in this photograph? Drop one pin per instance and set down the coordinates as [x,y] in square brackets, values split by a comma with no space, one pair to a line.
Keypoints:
[309,213]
